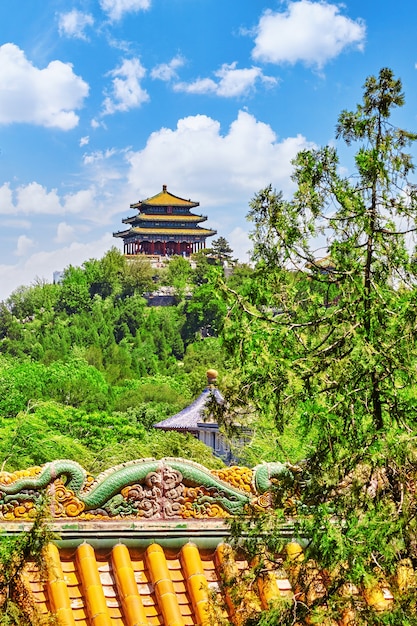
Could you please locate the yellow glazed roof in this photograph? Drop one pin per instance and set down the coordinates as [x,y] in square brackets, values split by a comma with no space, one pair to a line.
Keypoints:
[172,231]
[157,586]
[165,198]
[155,217]
[148,587]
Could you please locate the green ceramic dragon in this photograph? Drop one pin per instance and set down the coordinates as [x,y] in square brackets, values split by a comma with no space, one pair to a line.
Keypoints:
[110,483]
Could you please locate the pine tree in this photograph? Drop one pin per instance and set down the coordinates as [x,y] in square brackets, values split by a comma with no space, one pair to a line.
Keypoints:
[329,343]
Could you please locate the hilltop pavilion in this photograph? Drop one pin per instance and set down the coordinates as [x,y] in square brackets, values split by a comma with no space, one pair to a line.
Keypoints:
[164,226]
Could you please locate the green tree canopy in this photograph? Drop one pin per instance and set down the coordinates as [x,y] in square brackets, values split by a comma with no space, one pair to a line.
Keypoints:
[327,341]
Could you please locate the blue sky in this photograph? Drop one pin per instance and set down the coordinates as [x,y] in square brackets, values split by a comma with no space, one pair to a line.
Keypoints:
[104,101]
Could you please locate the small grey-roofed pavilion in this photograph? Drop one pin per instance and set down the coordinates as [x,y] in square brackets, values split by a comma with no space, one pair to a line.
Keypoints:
[195,420]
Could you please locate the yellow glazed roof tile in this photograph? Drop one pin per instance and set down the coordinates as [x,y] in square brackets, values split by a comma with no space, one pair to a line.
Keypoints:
[177,591]
[166,232]
[154,217]
[165,198]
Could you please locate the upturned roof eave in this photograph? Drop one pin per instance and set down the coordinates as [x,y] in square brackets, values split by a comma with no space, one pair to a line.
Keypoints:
[122,233]
[139,230]
[167,217]
[189,418]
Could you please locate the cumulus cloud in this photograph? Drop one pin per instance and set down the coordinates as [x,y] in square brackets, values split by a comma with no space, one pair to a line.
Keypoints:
[167,71]
[231,82]
[24,244]
[64,233]
[82,202]
[240,243]
[216,168]
[6,200]
[45,97]
[35,199]
[84,141]
[42,265]
[126,92]
[116,9]
[74,23]
[235,82]
[308,32]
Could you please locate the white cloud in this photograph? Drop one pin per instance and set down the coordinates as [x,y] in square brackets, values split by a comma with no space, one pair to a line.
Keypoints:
[24,244]
[232,82]
[240,243]
[45,97]
[43,264]
[64,233]
[167,71]
[235,82]
[127,92]
[307,32]
[35,199]
[82,202]
[116,9]
[16,223]
[217,169]
[99,155]
[84,141]
[97,124]
[74,23]
[199,86]
[6,200]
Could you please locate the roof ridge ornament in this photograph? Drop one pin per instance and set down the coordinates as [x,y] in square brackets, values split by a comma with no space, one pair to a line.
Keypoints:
[212,377]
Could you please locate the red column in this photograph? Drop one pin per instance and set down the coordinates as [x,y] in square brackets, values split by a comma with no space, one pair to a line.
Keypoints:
[152,247]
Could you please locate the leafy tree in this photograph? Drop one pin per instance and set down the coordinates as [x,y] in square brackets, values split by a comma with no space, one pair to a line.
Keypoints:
[29,440]
[203,264]
[201,356]
[178,274]
[74,296]
[20,382]
[205,312]
[137,277]
[155,444]
[105,276]
[129,312]
[27,301]
[343,367]
[73,382]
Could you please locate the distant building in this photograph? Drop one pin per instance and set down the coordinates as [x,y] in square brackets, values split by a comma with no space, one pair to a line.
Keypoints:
[195,420]
[58,277]
[164,226]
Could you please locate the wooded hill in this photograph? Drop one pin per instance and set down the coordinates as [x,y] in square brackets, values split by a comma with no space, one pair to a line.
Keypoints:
[87,367]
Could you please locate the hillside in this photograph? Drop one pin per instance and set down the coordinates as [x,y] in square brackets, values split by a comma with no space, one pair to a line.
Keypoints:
[87,367]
